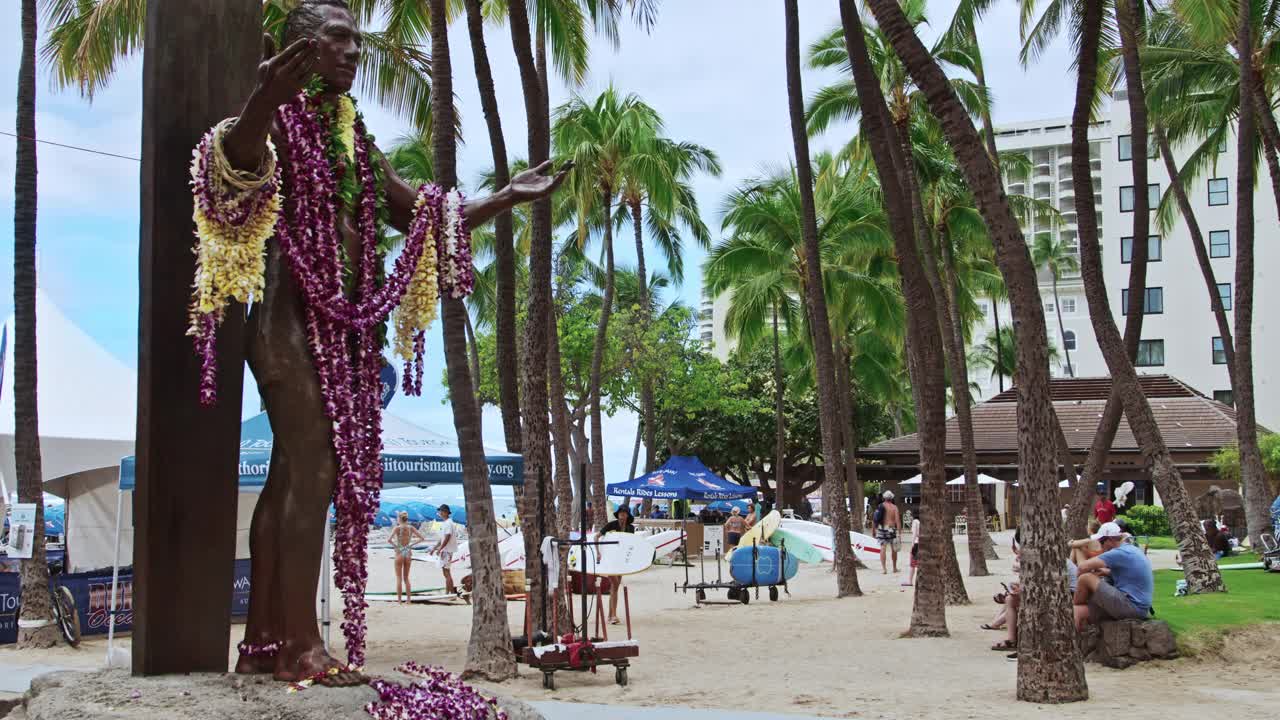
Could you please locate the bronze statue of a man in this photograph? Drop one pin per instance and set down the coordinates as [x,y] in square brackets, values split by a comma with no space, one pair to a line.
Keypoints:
[287,352]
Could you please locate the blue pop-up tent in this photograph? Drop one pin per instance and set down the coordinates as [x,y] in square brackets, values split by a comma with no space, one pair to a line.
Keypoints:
[681,478]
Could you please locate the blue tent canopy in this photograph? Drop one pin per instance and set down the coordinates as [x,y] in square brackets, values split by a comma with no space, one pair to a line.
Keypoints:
[681,478]
[411,455]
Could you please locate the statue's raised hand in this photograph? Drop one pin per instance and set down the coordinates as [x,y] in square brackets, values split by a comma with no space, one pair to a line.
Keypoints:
[536,182]
[282,76]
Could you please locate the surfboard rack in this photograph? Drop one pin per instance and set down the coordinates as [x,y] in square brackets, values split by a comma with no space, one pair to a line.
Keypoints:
[736,593]
[580,649]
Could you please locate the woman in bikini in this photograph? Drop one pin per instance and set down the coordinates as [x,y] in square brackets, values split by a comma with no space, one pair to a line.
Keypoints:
[403,536]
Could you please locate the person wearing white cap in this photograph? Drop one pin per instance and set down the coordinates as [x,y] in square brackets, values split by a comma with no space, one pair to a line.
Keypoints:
[1116,585]
[888,524]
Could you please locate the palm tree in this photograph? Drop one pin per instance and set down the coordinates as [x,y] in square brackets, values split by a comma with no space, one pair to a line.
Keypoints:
[1053,254]
[609,139]
[489,652]
[762,264]
[1126,396]
[816,304]
[670,207]
[1049,666]
[505,261]
[1196,86]
[26,441]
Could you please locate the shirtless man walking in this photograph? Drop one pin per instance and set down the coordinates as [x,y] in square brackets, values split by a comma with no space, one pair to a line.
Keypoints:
[888,525]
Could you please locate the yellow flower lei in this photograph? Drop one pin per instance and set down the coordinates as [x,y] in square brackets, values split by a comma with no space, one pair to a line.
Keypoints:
[418,306]
[346,121]
[230,257]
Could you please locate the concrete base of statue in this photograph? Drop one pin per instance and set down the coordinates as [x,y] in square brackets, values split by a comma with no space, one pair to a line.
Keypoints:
[117,694]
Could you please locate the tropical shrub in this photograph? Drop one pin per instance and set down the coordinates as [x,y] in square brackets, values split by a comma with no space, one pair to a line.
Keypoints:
[1147,520]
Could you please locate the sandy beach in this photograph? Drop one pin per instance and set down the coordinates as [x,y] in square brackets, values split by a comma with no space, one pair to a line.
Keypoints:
[810,654]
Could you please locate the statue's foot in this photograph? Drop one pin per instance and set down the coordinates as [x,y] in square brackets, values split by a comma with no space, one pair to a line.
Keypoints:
[318,665]
[254,665]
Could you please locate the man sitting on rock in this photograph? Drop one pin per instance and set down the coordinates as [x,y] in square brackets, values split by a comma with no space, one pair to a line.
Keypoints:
[1116,585]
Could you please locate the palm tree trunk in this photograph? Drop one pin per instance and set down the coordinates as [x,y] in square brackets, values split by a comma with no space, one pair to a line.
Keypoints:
[560,431]
[646,385]
[489,652]
[779,419]
[1127,16]
[597,365]
[953,581]
[928,613]
[1062,329]
[824,362]
[1266,122]
[1050,668]
[536,437]
[1201,569]
[975,514]
[26,434]
[635,450]
[503,236]
[995,318]
[1131,31]
[848,431]
[1257,496]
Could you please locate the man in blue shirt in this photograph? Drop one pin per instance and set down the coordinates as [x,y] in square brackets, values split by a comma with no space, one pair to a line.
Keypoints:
[1128,594]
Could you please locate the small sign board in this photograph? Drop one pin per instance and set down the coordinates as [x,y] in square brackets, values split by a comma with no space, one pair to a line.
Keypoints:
[22,530]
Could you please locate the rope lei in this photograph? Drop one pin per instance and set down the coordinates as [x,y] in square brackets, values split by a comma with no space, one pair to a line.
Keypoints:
[345,300]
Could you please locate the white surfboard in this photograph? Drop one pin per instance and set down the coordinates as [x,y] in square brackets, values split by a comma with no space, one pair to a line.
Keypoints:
[665,542]
[867,548]
[510,549]
[624,554]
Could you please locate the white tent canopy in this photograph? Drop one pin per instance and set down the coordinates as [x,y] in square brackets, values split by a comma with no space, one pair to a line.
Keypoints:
[983,479]
[87,399]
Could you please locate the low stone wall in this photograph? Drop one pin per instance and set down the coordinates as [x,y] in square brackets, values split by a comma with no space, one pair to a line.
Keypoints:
[116,694]
[1124,643]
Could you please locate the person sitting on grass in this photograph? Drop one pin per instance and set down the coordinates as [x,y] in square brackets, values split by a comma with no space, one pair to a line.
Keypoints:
[1116,585]
[1219,543]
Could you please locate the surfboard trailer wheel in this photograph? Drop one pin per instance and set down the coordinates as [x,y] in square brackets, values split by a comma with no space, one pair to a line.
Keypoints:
[701,595]
[733,593]
[773,594]
[620,676]
[548,681]
[745,596]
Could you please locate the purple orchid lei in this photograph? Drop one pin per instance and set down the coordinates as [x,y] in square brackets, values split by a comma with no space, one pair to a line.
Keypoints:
[436,695]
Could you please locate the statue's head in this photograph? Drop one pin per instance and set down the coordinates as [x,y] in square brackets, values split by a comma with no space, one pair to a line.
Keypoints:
[334,27]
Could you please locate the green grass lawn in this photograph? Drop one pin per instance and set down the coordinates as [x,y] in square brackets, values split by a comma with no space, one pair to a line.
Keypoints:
[1252,597]
[1158,542]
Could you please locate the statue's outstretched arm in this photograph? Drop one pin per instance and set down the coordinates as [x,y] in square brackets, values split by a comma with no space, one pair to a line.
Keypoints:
[526,186]
[280,79]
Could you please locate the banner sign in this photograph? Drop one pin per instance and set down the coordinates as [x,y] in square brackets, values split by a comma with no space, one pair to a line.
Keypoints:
[92,594]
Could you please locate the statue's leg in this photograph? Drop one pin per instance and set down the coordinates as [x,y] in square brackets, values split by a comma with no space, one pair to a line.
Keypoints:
[264,537]
[299,489]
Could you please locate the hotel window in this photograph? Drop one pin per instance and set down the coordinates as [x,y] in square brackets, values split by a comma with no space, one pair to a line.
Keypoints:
[1124,144]
[1154,248]
[1150,353]
[1224,293]
[1069,340]
[1153,197]
[1226,397]
[1152,301]
[1219,191]
[1220,243]
[1219,353]
[1222,147]
[1048,307]
[1068,306]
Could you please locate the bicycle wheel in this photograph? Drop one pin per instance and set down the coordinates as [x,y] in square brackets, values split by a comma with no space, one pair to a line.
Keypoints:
[64,610]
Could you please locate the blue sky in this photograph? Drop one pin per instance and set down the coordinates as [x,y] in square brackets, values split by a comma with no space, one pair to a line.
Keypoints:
[712,68]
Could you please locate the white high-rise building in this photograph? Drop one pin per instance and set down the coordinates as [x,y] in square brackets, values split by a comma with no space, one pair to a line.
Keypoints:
[711,317]
[1180,335]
